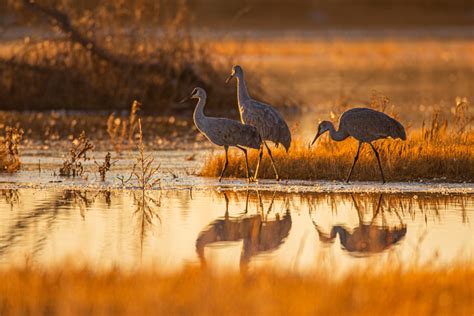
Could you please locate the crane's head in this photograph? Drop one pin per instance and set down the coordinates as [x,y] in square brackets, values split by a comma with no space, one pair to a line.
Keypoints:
[198,93]
[236,71]
[323,127]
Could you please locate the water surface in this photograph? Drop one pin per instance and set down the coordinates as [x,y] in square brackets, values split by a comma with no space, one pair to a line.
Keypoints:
[238,230]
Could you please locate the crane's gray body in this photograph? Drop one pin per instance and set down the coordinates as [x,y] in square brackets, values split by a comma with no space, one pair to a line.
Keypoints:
[226,132]
[367,125]
[223,131]
[268,121]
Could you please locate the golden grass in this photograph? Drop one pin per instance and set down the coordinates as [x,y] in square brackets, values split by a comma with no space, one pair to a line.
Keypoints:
[73,291]
[419,157]
[363,53]
[9,156]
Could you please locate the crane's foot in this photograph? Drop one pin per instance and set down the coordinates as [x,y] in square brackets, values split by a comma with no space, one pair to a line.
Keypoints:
[253,179]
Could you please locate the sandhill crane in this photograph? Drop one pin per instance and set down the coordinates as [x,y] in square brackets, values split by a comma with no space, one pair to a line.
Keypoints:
[268,121]
[366,238]
[365,125]
[222,131]
[259,235]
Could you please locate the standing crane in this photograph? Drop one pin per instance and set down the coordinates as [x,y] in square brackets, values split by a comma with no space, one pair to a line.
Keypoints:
[365,125]
[268,121]
[222,131]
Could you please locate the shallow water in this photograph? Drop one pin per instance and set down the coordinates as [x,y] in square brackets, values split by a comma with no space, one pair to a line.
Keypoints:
[241,229]
[178,172]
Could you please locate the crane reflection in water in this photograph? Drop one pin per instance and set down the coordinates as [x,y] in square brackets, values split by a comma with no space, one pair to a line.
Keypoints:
[368,237]
[258,233]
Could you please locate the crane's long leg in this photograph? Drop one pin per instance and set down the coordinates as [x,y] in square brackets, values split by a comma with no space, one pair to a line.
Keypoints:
[247,202]
[226,162]
[377,210]
[246,161]
[260,154]
[226,206]
[354,163]
[273,163]
[378,160]
[357,208]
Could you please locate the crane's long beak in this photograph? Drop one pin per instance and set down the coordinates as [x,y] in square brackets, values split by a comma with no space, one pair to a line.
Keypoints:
[186,98]
[314,140]
[229,78]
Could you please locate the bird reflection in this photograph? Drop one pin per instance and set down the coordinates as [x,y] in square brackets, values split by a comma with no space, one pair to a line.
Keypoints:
[257,232]
[367,238]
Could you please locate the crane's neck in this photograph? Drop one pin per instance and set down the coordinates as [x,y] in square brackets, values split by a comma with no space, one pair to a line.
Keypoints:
[198,115]
[342,234]
[242,91]
[337,135]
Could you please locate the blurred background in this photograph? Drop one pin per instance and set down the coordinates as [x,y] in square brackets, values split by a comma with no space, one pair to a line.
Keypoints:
[409,57]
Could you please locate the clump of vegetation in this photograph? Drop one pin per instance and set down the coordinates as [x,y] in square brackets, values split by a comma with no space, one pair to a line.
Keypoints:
[118,128]
[9,156]
[421,290]
[72,165]
[105,166]
[439,150]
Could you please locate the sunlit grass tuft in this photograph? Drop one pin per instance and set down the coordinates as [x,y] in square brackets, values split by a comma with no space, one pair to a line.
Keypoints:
[9,156]
[73,291]
[446,157]
[440,150]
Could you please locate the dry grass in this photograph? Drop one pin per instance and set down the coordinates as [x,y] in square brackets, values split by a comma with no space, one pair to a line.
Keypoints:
[144,170]
[105,166]
[74,291]
[72,165]
[413,159]
[101,63]
[361,53]
[327,72]
[117,127]
[47,130]
[433,152]
[9,156]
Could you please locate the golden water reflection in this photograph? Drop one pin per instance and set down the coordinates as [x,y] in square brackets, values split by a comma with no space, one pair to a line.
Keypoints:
[367,237]
[283,231]
[258,232]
